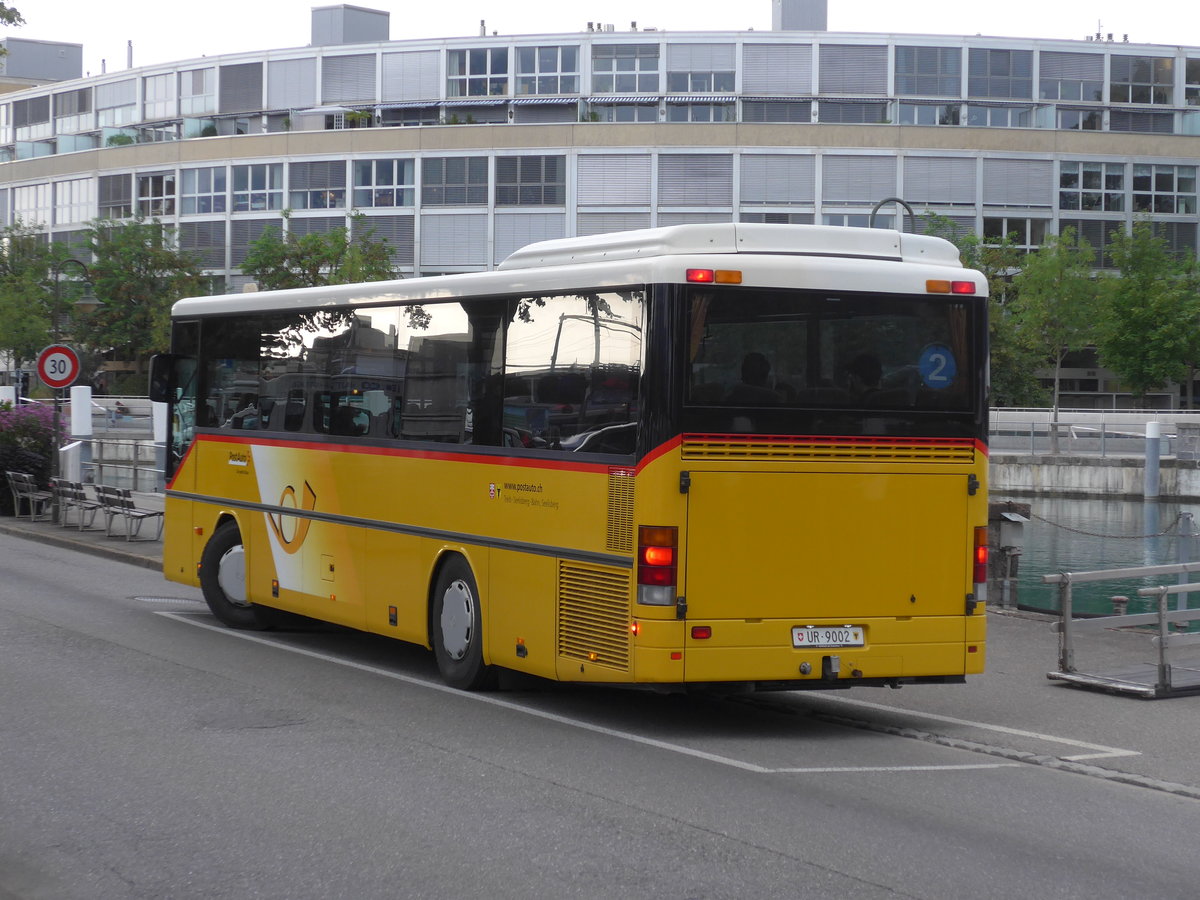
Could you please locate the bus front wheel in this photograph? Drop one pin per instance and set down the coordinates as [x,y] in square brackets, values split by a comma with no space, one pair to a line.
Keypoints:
[457,630]
[223,580]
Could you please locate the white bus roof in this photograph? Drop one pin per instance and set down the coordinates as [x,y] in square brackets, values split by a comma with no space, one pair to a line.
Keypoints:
[743,237]
[852,258]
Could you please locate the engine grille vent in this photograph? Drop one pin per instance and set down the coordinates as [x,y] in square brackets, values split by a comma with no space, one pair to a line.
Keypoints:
[593,614]
[831,449]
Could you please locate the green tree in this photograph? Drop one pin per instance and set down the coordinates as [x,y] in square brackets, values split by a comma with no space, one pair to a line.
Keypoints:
[37,292]
[1013,357]
[1146,331]
[310,260]
[136,275]
[1058,301]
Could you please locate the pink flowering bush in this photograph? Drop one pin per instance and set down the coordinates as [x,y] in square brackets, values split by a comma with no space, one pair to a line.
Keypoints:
[27,443]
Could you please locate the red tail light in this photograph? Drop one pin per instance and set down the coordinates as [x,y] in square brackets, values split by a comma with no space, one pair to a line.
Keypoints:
[980,557]
[657,564]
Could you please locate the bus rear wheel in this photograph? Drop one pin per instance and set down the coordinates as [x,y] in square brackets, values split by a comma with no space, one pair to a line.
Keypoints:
[223,580]
[457,630]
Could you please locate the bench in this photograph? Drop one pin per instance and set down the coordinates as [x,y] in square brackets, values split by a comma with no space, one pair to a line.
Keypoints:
[72,495]
[118,502]
[25,490]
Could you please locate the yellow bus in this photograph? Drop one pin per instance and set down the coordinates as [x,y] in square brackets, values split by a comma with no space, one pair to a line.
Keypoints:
[690,457]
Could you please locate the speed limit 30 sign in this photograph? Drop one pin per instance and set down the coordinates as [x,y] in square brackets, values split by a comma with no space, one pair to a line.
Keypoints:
[58,366]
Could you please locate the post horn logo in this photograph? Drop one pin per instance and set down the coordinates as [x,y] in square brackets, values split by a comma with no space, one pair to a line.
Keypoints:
[291,530]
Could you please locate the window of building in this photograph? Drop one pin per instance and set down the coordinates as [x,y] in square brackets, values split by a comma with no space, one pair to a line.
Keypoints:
[853,112]
[1071,76]
[1147,122]
[317,185]
[928,113]
[530,180]
[1191,82]
[1003,74]
[777,218]
[776,110]
[158,96]
[701,112]
[116,103]
[32,204]
[203,191]
[999,116]
[1141,79]
[481,72]
[1091,186]
[454,181]
[929,71]
[156,194]
[421,115]
[32,118]
[383,182]
[700,82]
[624,112]
[857,220]
[1164,189]
[73,111]
[116,196]
[1028,234]
[625,68]
[258,187]
[74,201]
[1080,119]
[547,70]
[197,92]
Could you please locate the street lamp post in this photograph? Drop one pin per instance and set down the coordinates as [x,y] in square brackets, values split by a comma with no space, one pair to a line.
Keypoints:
[55,318]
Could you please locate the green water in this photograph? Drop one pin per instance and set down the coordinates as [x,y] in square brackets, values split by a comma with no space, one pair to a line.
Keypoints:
[1085,535]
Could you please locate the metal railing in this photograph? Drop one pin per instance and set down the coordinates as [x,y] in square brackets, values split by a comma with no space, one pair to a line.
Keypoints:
[1120,432]
[124,463]
[1145,681]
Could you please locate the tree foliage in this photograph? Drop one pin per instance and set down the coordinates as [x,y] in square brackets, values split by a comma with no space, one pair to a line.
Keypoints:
[37,291]
[1058,299]
[309,260]
[1147,331]
[137,274]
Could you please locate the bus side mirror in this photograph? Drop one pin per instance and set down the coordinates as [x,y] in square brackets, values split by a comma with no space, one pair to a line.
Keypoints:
[162,377]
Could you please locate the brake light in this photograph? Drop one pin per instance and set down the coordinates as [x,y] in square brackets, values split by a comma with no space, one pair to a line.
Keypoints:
[657,567]
[942,286]
[714,276]
[980,557]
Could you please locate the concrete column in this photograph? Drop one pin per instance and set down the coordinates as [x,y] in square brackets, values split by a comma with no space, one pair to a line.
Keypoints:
[81,427]
[1153,435]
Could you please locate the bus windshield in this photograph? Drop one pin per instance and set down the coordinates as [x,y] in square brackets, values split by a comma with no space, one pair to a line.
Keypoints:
[763,349]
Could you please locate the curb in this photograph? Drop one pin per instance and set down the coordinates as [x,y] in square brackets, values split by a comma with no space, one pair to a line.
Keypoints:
[66,543]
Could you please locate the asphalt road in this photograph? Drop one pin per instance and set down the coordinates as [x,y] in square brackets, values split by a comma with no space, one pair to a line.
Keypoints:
[147,752]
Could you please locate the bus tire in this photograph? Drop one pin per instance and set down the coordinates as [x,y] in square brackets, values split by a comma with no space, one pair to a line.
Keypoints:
[223,580]
[457,629]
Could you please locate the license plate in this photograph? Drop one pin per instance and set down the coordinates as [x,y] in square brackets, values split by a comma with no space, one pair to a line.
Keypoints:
[827,636]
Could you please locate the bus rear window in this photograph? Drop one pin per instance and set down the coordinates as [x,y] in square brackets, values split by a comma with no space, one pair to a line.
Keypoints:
[753,348]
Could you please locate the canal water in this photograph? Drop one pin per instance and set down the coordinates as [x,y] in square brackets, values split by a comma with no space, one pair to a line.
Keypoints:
[1072,535]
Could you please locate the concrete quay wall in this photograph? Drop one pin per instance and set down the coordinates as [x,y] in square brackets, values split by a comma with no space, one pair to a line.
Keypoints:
[1082,476]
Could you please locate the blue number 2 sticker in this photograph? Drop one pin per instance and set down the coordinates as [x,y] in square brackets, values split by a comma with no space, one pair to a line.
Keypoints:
[938,366]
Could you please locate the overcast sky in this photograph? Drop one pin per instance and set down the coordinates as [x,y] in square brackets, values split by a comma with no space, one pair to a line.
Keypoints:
[163,31]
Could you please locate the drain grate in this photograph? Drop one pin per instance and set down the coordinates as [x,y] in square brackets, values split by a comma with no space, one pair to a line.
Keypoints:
[176,600]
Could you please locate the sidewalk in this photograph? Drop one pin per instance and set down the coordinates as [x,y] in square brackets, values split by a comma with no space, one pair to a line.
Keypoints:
[141,551]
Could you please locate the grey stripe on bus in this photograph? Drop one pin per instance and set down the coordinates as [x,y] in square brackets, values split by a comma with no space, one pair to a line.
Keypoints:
[602,559]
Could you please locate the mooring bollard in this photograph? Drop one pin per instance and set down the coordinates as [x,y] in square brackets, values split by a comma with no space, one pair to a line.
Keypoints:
[1120,605]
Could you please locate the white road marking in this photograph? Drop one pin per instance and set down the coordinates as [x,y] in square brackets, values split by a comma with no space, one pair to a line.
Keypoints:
[554,717]
[1100,750]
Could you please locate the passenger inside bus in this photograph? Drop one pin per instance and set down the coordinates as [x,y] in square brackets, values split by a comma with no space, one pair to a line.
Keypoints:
[754,388]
